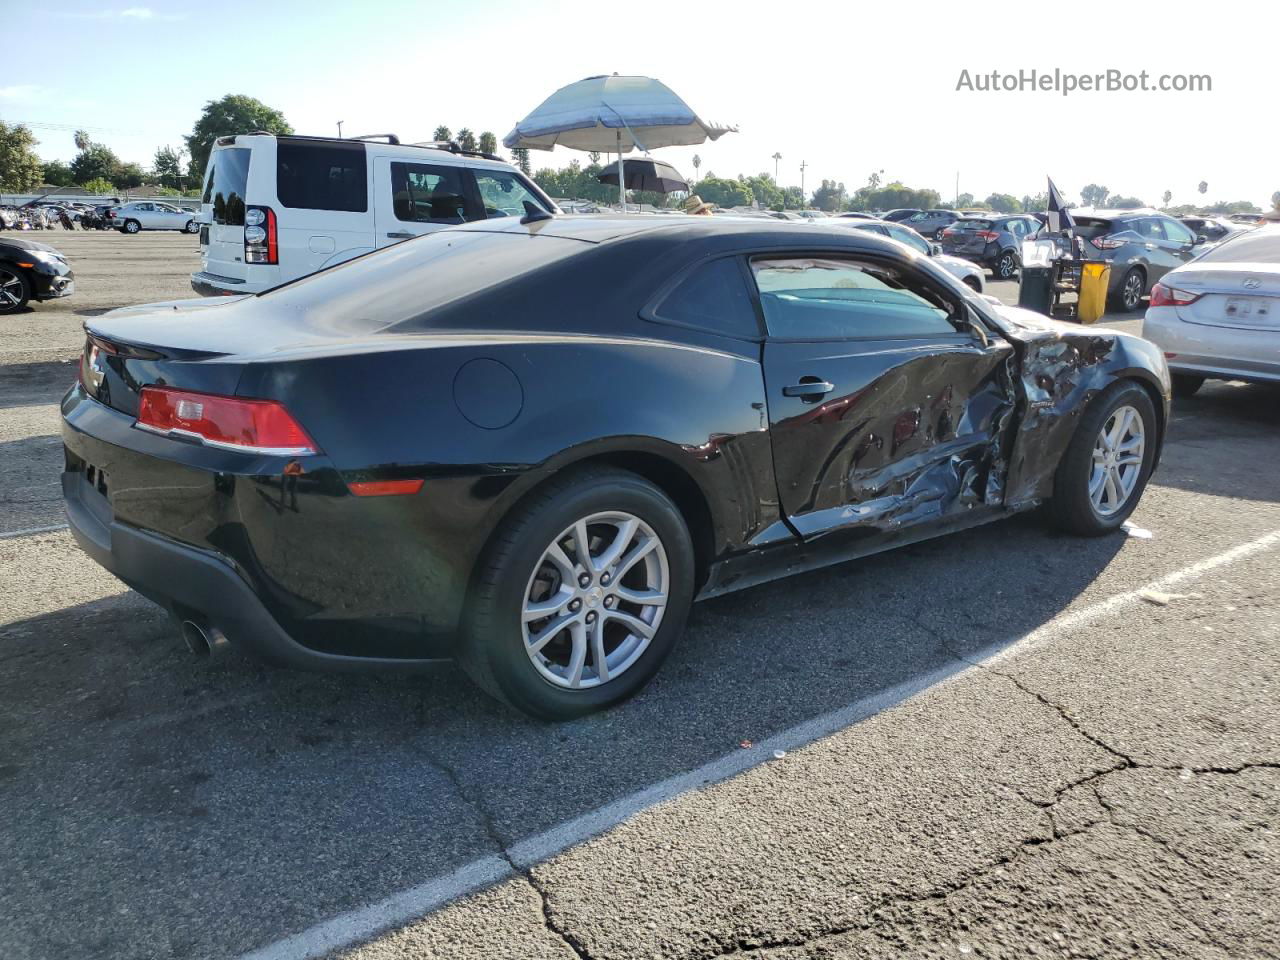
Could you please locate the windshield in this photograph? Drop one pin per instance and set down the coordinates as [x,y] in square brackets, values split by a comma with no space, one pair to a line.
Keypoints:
[1258,246]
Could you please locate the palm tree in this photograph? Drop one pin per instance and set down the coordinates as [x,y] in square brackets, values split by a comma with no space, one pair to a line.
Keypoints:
[697,162]
[442,133]
[82,140]
[488,142]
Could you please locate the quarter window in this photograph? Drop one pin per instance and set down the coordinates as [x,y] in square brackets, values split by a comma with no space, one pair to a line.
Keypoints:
[428,193]
[504,194]
[322,176]
[815,298]
[1177,232]
[713,297]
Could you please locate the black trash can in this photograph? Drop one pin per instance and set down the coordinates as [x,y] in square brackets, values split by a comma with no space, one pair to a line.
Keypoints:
[1035,290]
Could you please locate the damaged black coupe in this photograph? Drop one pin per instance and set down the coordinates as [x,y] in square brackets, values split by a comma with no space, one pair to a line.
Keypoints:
[531,445]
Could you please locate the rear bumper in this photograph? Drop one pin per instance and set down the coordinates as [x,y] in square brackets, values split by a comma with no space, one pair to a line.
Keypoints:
[1217,352]
[212,285]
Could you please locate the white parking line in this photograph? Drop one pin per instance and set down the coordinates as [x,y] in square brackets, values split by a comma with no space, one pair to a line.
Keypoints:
[360,925]
[31,531]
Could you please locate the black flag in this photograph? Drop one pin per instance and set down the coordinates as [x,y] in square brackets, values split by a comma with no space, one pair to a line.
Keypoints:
[1059,215]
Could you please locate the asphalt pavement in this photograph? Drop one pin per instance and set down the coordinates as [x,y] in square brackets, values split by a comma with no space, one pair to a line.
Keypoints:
[1004,743]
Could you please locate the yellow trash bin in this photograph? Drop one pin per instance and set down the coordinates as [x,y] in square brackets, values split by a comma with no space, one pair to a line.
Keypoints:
[1094,278]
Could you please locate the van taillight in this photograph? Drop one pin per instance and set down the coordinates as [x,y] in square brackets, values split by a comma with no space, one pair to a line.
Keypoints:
[232,423]
[260,239]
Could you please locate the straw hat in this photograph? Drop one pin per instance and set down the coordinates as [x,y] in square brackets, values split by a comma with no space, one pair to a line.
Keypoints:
[695,204]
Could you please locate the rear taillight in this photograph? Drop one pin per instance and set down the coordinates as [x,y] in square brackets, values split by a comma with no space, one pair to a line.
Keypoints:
[949,232]
[1107,243]
[1162,296]
[260,240]
[232,423]
[987,235]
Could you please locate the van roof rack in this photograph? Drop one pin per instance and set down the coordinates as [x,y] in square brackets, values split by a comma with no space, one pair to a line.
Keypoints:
[454,147]
[450,146]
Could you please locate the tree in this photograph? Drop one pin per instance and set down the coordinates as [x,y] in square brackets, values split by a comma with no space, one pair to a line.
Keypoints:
[442,133]
[964,200]
[1038,202]
[82,140]
[1167,197]
[489,143]
[100,186]
[697,162]
[893,196]
[792,198]
[764,189]
[467,139]
[521,156]
[594,156]
[724,193]
[95,162]
[167,168]
[1004,203]
[58,174]
[234,113]
[1204,187]
[1275,200]
[1125,203]
[873,182]
[1094,195]
[130,175]
[830,196]
[20,168]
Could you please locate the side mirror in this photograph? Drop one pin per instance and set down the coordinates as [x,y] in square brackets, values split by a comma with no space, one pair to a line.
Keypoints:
[935,249]
[1201,238]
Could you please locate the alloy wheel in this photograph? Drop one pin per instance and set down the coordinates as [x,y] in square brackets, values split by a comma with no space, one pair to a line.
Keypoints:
[1117,460]
[1005,268]
[595,600]
[1132,290]
[10,290]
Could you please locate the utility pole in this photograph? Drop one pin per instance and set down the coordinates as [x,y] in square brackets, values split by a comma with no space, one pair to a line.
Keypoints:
[957,203]
[776,158]
[340,122]
[804,201]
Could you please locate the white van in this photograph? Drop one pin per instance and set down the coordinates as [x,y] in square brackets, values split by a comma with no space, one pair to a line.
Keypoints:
[276,208]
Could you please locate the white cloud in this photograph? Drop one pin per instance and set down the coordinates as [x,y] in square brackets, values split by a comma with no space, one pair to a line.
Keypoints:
[22,91]
[128,13]
[138,13]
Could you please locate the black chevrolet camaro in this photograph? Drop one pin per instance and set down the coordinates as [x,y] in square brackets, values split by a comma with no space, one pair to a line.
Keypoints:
[530,445]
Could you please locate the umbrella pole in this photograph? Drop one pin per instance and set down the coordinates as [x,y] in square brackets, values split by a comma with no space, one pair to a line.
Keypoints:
[622,177]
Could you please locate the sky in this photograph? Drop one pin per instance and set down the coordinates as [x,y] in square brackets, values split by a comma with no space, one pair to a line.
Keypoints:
[846,88]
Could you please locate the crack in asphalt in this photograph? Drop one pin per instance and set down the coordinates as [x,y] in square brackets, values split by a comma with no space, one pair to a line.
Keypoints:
[579,949]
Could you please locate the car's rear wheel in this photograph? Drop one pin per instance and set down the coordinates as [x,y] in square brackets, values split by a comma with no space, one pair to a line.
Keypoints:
[1129,294]
[1101,476]
[131,226]
[1186,384]
[192,227]
[15,290]
[1007,265]
[581,595]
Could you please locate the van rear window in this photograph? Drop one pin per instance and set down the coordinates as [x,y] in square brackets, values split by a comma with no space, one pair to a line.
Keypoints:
[322,176]
[228,177]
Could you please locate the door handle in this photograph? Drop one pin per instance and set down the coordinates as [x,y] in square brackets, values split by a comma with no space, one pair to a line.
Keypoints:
[808,390]
[401,236]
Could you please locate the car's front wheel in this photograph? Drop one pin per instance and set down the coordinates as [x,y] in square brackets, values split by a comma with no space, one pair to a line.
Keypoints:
[192,227]
[1131,289]
[580,596]
[15,290]
[1101,476]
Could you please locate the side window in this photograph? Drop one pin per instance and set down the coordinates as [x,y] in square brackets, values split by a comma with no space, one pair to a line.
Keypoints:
[503,194]
[1017,227]
[910,238]
[1148,227]
[713,297]
[1177,232]
[322,176]
[144,208]
[427,193]
[815,298]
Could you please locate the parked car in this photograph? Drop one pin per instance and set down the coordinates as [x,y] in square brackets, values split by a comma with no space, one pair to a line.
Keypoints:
[153,215]
[858,215]
[530,443]
[965,271]
[279,208]
[897,216]
[1140,245]
[930,223]
[1213,229]
[1219,316]
[31,271]
[994,240]
[1253,219]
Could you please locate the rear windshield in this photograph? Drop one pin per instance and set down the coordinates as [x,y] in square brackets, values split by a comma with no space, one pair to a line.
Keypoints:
[1259,246]
[974,223]
[228,176]
[322,176]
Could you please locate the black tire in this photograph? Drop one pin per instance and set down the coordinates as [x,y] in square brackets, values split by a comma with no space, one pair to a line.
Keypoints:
[492,649]
[1071,508]
[131,226]
[15,289]
[1133,282]
[191,227]
[1186,384]
[1006,267]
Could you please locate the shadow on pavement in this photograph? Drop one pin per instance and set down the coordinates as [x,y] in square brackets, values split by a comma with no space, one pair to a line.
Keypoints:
[22,384]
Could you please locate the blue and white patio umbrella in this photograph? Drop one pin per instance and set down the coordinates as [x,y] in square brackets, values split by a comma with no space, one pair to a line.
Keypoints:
[613,114]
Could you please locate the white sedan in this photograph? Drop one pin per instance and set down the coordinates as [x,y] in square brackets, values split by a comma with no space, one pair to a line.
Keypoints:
[153,215]
[1218,317]
[965,271]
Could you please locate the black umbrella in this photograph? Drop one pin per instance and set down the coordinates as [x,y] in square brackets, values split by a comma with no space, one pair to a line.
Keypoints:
[646,174]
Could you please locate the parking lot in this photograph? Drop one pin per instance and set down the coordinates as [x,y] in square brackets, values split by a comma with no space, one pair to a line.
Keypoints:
[1001,744]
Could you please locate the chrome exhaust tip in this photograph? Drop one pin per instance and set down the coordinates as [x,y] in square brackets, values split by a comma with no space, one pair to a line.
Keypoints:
[204,640]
